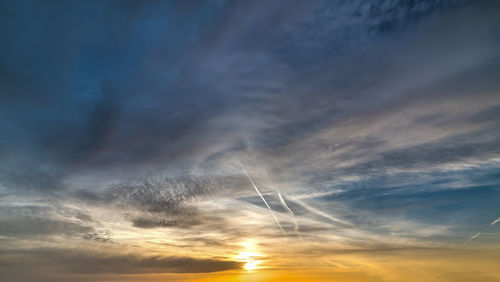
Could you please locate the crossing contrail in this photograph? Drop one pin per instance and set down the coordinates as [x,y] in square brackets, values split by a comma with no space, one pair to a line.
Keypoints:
[262,197]
[295,223]
[471,238]
[478,233]
[320,213]
[283,202]
[495,221]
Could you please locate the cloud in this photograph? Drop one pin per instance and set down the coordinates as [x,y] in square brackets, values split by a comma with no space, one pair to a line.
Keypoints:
[163,193]
[31,222]
[124,118]
[103,236]
[187,220]
[337,28]
[93,86]
[168,200]
[42,262]
[34,227]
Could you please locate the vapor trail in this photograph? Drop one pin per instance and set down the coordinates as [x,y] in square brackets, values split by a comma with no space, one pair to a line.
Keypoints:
[284,204]
[471,238]
[262,197]
[495,221]
[295,223]
[477,234]
[320,213]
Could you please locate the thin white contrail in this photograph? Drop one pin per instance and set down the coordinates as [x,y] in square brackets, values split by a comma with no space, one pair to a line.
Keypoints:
[318,212]
[295,223]
[283,202]
[495,221]
[471,238]
[262,197]
[478,233]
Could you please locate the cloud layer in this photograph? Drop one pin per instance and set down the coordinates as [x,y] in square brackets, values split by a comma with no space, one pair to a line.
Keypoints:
[364,125]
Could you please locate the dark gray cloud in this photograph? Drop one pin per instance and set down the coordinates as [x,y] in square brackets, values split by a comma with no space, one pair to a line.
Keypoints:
[96,107]
[103,236]
[188,220]
[164,194]
[456,149]
[29,222]
[170,200]
[26,227]
[19,263]
[339,27]
[152,222]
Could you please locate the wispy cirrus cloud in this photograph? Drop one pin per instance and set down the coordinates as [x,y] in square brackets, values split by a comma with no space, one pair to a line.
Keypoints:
[356,121]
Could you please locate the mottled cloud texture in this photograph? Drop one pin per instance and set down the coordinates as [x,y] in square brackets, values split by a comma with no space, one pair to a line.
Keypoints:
[368,127]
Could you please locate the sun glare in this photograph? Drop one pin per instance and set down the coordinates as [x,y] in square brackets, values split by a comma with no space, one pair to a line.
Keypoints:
[251,265]
[250,259]
[249,256]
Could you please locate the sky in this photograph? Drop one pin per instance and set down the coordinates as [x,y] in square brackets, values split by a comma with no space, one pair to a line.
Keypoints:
[250,140]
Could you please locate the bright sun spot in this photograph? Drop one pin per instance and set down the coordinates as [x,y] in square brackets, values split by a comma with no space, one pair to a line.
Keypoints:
[249,256]
[251,265]
[250,259]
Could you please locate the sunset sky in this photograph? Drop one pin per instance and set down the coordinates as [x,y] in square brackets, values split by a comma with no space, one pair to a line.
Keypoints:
[266,140]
